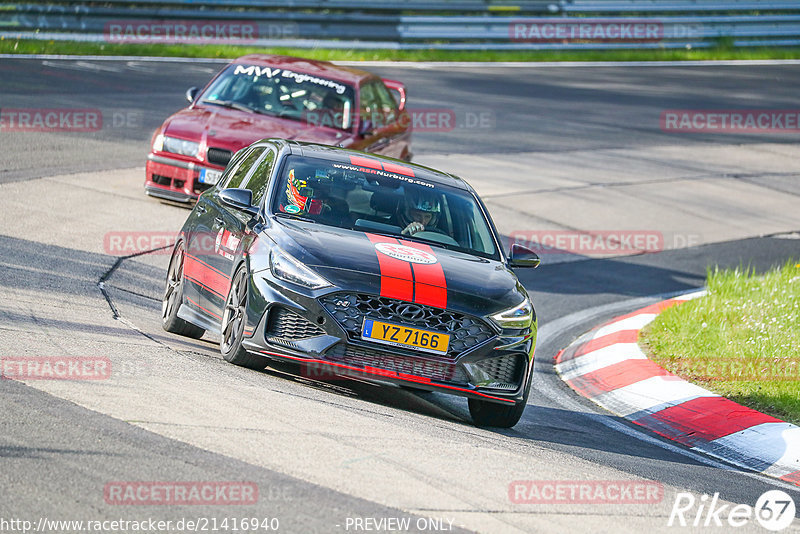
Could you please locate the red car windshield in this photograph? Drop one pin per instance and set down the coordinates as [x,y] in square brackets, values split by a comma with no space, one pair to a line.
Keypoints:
[283,93]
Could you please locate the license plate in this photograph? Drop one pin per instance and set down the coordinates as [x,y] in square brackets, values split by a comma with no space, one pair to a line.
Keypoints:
[405,336]
[208,176]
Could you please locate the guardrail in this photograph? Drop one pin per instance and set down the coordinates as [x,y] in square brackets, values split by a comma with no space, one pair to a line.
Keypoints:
[525,25]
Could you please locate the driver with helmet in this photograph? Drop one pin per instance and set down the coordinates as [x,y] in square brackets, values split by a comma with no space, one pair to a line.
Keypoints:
[301,198]
[418,212]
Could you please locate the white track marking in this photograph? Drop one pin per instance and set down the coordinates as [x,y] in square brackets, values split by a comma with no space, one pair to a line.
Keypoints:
[551,329]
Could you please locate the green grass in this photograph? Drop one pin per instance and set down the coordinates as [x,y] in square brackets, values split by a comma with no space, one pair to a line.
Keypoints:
[741,341]
[32,46]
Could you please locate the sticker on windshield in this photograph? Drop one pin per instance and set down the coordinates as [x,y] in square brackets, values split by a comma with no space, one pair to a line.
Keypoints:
[383,174]
[253,70]
[405,253]
[298,77]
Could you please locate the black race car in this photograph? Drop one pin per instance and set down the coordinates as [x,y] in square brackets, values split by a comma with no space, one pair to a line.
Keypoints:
[356,265]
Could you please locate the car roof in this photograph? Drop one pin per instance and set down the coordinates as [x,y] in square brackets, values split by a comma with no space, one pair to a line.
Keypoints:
[343,155]
[307,66]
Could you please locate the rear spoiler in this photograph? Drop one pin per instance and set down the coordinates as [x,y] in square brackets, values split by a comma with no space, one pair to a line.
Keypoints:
[398,90]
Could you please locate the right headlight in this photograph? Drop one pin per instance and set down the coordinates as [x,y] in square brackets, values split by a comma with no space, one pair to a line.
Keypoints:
[520,316]
[287,268]
[177,146]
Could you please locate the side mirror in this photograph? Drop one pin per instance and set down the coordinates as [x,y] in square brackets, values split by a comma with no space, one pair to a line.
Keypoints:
[523,257]
[191,94]
[365,128]
[240,199]
[398,91]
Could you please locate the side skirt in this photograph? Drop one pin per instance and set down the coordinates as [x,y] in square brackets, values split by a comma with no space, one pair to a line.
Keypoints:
[187,313]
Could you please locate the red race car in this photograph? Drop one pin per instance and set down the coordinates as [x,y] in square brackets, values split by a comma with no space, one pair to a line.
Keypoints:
[259,96]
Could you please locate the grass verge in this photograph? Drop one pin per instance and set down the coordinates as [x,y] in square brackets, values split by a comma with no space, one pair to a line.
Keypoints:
[33,46]
[741,341]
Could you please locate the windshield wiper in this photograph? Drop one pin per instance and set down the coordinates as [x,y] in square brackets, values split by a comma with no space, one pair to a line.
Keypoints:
[294,217]
[416,239]
[228,104]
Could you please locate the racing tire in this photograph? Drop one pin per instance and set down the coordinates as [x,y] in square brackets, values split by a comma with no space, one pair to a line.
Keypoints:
[492,414]
[173,298]
[232,327]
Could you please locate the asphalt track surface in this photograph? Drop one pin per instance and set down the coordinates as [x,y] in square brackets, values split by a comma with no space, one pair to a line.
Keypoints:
[497,110]
[56,453]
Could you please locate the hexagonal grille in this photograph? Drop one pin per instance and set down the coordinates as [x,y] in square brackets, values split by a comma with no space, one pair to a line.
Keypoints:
[391,361]
[349,309]
[505,370]
[288,325]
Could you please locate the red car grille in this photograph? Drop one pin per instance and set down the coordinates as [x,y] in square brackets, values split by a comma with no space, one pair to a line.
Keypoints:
[218,156]
[167,181]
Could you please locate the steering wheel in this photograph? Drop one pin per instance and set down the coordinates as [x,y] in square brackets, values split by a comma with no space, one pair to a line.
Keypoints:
[437,237]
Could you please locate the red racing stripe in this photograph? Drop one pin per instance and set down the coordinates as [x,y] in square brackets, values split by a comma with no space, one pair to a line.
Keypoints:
[389,374]
[206,276]
[703,419]
[204,309]
[399,169]
[366,162]
[430,286]
[396,277]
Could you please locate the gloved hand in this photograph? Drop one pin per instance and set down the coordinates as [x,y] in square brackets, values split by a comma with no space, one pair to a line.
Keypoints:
[413,228]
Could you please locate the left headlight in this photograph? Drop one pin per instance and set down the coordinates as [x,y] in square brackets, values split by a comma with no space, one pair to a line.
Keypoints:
[520,316]
[287,268]
[180,146]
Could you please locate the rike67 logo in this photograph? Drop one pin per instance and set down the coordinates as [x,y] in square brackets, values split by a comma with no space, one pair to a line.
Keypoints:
[774,510]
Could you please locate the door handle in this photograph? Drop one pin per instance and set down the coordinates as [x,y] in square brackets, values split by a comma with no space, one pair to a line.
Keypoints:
[219,221]
[201,208]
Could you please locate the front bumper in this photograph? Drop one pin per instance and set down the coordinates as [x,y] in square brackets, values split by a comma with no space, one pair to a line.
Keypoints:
[174,179]
[326,351]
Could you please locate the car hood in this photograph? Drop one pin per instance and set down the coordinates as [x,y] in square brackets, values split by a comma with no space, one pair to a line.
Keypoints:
[351,260]
[233,130]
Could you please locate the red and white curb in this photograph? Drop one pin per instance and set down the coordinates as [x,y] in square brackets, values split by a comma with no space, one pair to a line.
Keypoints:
[608,367]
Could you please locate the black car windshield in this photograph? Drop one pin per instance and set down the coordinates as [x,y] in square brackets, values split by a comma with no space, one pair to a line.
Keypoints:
[283,93]
[383,198]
